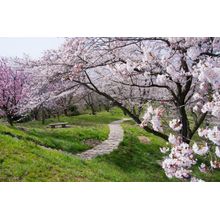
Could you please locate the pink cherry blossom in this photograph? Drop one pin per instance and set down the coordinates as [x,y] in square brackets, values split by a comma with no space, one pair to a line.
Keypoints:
[12,90]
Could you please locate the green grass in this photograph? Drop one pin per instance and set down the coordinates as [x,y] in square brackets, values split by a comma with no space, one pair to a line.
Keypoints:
[73,140]
[139,161]
[81,120]
[24,161]
[21,159]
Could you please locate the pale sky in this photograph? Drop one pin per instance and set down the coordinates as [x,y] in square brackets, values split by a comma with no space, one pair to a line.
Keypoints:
[11,47]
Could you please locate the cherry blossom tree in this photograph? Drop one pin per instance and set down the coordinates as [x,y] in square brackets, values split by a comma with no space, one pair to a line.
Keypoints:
[177,80]
[12,91]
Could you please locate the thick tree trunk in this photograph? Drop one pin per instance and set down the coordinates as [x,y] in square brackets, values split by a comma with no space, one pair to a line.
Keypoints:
[185,131]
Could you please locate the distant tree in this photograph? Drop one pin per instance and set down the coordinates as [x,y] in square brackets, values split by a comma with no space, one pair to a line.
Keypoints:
[12,90]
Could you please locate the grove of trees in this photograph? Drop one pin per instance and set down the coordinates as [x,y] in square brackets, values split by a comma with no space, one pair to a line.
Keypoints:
[168,86]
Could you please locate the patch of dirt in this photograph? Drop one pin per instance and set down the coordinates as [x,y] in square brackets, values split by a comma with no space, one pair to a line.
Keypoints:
[92,142]
[144,140]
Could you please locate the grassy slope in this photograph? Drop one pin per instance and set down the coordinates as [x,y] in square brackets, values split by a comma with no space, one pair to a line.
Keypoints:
[73,140]
[23,160]
[139,161]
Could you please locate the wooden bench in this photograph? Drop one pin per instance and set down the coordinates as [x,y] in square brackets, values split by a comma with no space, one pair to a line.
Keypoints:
[61,124]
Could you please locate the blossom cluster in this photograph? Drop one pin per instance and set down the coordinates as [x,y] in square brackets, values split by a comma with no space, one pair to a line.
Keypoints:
[154,117]
[200,150]
[180,159]
[12,90]
[175,124]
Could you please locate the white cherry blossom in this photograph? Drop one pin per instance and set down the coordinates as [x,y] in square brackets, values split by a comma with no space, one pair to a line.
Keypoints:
[203,132]
[203,168]
[161,79]
[217,151]
[164,150]
[215,164]
[200,150]
[194,179]
[175,124]
[173,140]
[156,123]
[214,135]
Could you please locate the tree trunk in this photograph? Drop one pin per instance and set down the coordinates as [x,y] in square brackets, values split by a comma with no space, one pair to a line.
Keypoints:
[35,114]
[43,116]
[65,112]
[185,124]
[93,110]
[58,117]
[9,119]
[35,117]
[107,108]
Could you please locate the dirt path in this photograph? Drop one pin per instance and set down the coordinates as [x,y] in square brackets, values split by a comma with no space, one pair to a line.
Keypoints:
[115,137]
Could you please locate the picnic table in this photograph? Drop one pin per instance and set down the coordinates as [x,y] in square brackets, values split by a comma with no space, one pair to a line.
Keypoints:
[60,124]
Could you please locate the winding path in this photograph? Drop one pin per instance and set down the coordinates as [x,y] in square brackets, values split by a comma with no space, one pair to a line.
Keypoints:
[115,137]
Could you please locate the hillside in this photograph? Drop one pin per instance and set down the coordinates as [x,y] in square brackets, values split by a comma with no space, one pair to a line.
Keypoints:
[33,152]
